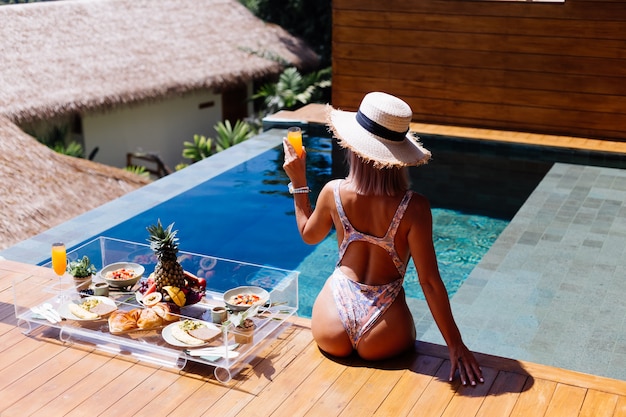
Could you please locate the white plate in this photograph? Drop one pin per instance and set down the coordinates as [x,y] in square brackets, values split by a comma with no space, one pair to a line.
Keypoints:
[65,312]
[263,295]
[167,335]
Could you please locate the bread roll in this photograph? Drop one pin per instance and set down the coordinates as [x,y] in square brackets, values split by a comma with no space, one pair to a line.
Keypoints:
[167,311]
[120,322]
[149,319]
[134,314]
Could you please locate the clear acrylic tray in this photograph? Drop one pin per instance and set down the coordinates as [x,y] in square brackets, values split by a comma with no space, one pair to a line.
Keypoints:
[227,352]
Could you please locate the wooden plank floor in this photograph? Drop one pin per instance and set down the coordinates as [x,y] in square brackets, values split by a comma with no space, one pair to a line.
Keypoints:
[290,377]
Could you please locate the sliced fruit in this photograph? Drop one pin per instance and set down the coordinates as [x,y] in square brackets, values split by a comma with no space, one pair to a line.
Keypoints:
[176,295]
[152,299]
[151,289]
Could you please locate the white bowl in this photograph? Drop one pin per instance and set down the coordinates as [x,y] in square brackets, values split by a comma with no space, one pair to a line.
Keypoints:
[263,295]
[137,270]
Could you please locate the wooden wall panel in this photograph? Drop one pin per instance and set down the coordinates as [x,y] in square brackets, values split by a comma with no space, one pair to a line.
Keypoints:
[554,68]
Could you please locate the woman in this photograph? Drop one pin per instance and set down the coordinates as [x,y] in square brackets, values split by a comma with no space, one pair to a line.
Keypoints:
[380,225]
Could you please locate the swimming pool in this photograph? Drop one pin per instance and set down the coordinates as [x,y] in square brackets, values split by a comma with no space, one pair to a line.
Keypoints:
[246,214]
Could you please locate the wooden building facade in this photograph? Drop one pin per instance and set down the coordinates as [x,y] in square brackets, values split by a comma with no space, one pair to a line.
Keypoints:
[556,68]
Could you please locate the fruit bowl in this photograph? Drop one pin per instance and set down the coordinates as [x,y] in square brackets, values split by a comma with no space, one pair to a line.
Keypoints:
[122,274]
[242,298]
[194,289]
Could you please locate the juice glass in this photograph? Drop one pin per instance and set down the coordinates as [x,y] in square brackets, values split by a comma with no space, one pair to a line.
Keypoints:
[59,262]
[294,136]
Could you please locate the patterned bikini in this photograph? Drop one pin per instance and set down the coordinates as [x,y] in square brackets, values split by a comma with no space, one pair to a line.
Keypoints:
[360,305]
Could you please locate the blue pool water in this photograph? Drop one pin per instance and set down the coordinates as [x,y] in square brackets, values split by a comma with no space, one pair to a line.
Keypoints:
[246,214]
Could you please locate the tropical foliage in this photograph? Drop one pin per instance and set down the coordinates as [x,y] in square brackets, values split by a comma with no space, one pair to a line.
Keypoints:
[56,136]
[200,148]
[293,89]
[138,170]
[228,135]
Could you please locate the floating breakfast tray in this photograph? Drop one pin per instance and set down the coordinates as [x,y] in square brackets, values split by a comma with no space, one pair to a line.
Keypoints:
[227,352]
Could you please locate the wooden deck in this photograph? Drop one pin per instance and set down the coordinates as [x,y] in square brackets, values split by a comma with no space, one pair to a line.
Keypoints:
[290,377]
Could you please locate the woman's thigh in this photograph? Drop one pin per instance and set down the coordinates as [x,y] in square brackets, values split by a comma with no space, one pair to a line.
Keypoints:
[326,326]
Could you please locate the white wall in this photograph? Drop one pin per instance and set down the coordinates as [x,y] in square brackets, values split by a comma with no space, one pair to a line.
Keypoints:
[159,127]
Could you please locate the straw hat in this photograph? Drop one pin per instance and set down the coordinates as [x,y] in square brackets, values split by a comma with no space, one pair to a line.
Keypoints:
[379,132]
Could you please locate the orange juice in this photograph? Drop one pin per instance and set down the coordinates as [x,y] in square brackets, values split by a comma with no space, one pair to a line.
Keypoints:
[59,258]
[294,136]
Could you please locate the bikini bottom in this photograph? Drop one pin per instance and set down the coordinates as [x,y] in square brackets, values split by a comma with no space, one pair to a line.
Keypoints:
[360,305]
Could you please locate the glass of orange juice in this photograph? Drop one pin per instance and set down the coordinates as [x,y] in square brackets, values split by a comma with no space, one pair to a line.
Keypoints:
[294,136]
[59,261]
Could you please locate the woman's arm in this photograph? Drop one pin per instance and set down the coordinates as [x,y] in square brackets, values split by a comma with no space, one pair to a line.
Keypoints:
[313,224]
[424,257]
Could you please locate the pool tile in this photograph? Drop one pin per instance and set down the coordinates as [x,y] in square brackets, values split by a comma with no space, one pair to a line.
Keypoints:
[560,264]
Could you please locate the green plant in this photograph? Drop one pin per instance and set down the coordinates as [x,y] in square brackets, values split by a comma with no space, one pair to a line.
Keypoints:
[293,89]
[238,319]
[73,149]
[81,268]
[198,150]
[228,135]
[138,170]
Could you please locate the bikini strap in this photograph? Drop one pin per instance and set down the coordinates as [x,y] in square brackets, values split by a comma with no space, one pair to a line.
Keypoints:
[397,217]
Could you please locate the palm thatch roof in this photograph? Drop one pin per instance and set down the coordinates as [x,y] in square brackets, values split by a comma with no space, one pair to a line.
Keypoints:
[41,188]
[75,56]
[82,56]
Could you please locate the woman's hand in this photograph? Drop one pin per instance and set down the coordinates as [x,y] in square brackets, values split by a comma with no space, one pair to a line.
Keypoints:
[294,166]
[462,360]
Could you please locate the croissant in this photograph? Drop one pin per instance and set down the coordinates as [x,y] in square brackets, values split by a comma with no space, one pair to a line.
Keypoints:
[167,311]
[120,321]
[149,319]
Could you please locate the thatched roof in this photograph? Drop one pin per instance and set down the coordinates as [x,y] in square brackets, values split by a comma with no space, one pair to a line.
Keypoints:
[90,55]
[66,56]
[40,188]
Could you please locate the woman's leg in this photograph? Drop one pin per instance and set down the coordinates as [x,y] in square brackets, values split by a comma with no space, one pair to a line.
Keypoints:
[327,329]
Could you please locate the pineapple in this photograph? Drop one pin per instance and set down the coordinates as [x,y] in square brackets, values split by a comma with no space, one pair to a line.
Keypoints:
[164,243]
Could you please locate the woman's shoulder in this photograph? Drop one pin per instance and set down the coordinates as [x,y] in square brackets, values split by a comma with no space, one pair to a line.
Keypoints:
[326,193]
[418,202]
[421,198]
[330,186]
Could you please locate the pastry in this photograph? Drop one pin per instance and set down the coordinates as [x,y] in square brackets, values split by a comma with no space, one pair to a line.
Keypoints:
[136,319]
[167,311]
[149,319]
[120,322]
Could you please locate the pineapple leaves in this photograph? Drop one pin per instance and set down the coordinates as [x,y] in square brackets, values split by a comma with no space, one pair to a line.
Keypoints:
[162,240]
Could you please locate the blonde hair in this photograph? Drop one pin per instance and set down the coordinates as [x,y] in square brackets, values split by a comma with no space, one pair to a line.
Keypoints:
[369,180]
